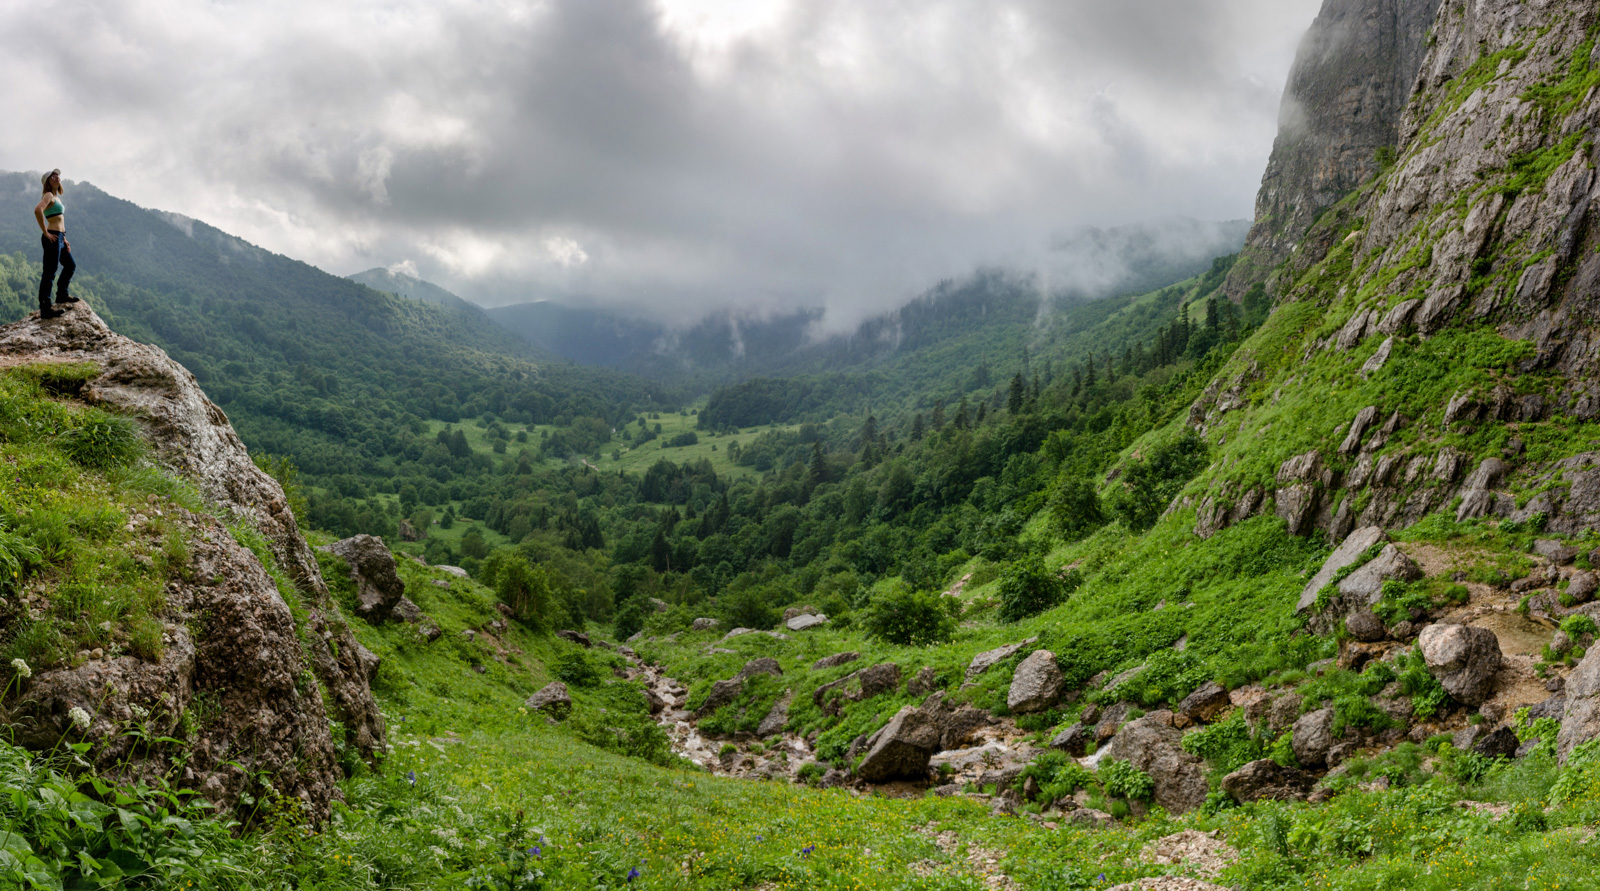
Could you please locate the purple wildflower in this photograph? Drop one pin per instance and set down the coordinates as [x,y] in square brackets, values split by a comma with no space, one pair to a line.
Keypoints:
[633,874]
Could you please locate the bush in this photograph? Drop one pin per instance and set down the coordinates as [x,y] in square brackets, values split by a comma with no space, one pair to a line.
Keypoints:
[1123,780]
[1029,588]
[900,615]
[103,441]
[1150,483]
[1226,746]
[1057,774]
[1075,508]
[749,608]
[576,669]
[683,439]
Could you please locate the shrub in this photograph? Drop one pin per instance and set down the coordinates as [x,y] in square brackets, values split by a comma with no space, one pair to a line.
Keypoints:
[749,608]
[101,441]
[1057,774]
[576,669]
[1075,507]
[1122,780]
[900,615]
[1029,588]
[1578,625]
[1149,484]
[1227,745]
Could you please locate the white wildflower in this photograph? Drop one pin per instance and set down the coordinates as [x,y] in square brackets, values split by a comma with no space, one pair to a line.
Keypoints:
[79,717]
[22,668]
[139,711]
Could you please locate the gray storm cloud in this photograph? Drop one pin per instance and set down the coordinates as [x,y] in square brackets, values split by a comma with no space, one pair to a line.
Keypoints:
[670,156]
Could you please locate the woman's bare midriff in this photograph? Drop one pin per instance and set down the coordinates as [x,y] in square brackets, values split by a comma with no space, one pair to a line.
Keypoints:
[56,223]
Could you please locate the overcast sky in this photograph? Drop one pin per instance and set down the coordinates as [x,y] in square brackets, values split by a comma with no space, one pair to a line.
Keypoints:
[674,155]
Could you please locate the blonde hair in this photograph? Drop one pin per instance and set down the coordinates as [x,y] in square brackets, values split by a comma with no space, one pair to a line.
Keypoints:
[45,181]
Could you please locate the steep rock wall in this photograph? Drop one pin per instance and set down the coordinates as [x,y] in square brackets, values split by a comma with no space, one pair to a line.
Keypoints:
[1350,84]
[1484,224]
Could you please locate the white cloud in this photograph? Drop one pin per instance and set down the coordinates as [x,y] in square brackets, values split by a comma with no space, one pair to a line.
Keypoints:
[675,155]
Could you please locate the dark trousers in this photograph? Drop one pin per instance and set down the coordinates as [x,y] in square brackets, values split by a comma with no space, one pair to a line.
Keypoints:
[56,254]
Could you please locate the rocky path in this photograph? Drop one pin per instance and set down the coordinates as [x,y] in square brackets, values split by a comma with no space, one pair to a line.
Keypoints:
[776,757]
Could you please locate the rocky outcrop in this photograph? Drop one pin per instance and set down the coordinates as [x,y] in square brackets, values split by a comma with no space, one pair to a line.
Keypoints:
[249,646]
[378,586]
[1036,685]
[1580,714]
[1155,748]
[901,748]
[1343,104]
[834,661]
[990,658]
[1363,589]
[1354,547]
[856,686]
[1266,780]
[806,622]
[552,700]
[1463,659]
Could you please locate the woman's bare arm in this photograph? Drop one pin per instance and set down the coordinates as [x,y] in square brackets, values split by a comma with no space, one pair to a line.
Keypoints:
[38,213]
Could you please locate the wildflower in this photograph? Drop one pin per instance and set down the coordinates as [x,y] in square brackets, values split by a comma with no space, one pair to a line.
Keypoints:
[536,851]
[806,851]
[633,874]
[411,777]
[79,717]
[22,668]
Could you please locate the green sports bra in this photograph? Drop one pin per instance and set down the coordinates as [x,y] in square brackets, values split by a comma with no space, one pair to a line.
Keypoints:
[55,209]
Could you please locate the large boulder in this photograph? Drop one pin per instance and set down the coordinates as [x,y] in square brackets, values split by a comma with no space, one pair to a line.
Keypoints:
[1463,659]
[1074,740]
[1362,589]
[856,686]
[1313,737]
[1155,748]
[1267,780]
[704,624]
[378,586]
[804,622]
[1036,685]
[990,658]
[1206,703]
[901,749]
[834,661]
[722,693]
[1354,546]
[553,700]
[1580,709]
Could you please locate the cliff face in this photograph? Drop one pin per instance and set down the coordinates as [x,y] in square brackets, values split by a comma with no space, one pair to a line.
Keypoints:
[1437,326]
[1350,84]
[232,641]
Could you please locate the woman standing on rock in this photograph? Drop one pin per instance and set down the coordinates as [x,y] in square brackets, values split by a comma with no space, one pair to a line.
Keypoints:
[51,215]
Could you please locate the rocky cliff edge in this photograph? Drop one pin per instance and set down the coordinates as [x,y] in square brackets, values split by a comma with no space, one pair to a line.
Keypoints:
[235,647]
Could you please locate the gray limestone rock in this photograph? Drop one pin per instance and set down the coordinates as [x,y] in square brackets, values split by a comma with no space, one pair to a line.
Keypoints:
[834,661]
[990,658]
[1205,703]
[901,749]
[1156,749]
[1353,547]
[1266,780]
[1313,737]
[1036,685]
[553,700]
[1463,658]
[378,586]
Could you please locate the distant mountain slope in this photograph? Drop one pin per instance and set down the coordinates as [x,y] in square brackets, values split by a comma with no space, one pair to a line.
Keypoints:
[309,364]
[402,285]
[1087,264]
